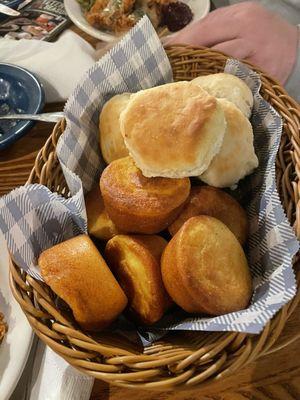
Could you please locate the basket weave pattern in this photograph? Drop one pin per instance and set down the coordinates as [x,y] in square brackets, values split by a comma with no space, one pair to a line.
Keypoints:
[181,360]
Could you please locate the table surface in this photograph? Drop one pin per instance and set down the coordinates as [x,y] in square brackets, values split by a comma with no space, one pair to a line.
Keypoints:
[273,377]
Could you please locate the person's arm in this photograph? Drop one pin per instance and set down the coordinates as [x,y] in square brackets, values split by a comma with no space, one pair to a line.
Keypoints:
[293,83]
[247,31]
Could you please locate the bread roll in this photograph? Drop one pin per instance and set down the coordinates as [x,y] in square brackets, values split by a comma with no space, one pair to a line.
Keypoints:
[237,157]
[77,273]
[99,223]
[173,130]
[207,200]
[111,141]
[204,268]
[229,87]
[135,262]
[139,204]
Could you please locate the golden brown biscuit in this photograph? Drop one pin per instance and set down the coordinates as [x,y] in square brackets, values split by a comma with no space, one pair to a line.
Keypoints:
[204,268]
[236,157]
[135,262]
[77,273]
[207,200]
[111,141]
[173,130]
[139,204]
[229,87]
[99,223]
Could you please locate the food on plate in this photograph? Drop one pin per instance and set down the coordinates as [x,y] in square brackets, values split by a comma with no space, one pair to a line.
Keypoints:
[135,262]
[120,15]
[3,327]
[229,87]
[207,200]
[99,223]
[114,15]
[76,272]
[236,157]
[184,125]
[176,15]
[111,140]
[139,204]
[204,268]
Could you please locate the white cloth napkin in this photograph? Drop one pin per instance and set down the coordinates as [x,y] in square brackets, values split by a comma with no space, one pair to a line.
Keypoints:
[48,377]
[59,65]
[61,381]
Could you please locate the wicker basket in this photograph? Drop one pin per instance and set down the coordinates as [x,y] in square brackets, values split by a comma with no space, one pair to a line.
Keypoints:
[181,360]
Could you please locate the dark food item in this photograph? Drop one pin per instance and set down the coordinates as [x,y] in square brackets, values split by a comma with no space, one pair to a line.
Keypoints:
[120,15]
[176,16]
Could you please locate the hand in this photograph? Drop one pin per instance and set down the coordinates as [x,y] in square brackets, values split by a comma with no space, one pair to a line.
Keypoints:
[246,31]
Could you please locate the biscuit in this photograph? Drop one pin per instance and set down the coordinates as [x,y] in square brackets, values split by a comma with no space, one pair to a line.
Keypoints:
[207,200]
[77,273]
[236,157]
[135,262]
[139,204]
[229,87]
[173,130]
[99,223]
[111,141]
[204,268]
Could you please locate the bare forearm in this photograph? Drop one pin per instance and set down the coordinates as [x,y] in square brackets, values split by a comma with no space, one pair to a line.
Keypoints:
[293,84]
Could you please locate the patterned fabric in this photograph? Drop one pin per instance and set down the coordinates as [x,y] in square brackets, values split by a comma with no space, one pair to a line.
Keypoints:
[33,219]
[271,243]
[137,62]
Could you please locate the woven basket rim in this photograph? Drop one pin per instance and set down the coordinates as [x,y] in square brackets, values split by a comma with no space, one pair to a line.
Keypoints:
[163,365]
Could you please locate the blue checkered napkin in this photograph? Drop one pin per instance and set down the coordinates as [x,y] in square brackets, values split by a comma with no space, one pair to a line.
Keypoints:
[272,243]
[137,62]
[33,219]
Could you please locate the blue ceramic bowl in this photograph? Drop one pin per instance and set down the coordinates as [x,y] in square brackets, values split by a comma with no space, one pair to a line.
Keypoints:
[20,92]
[9,3]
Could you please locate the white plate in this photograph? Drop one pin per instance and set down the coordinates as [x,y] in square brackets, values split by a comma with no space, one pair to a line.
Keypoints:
[200,9]
[15,347]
